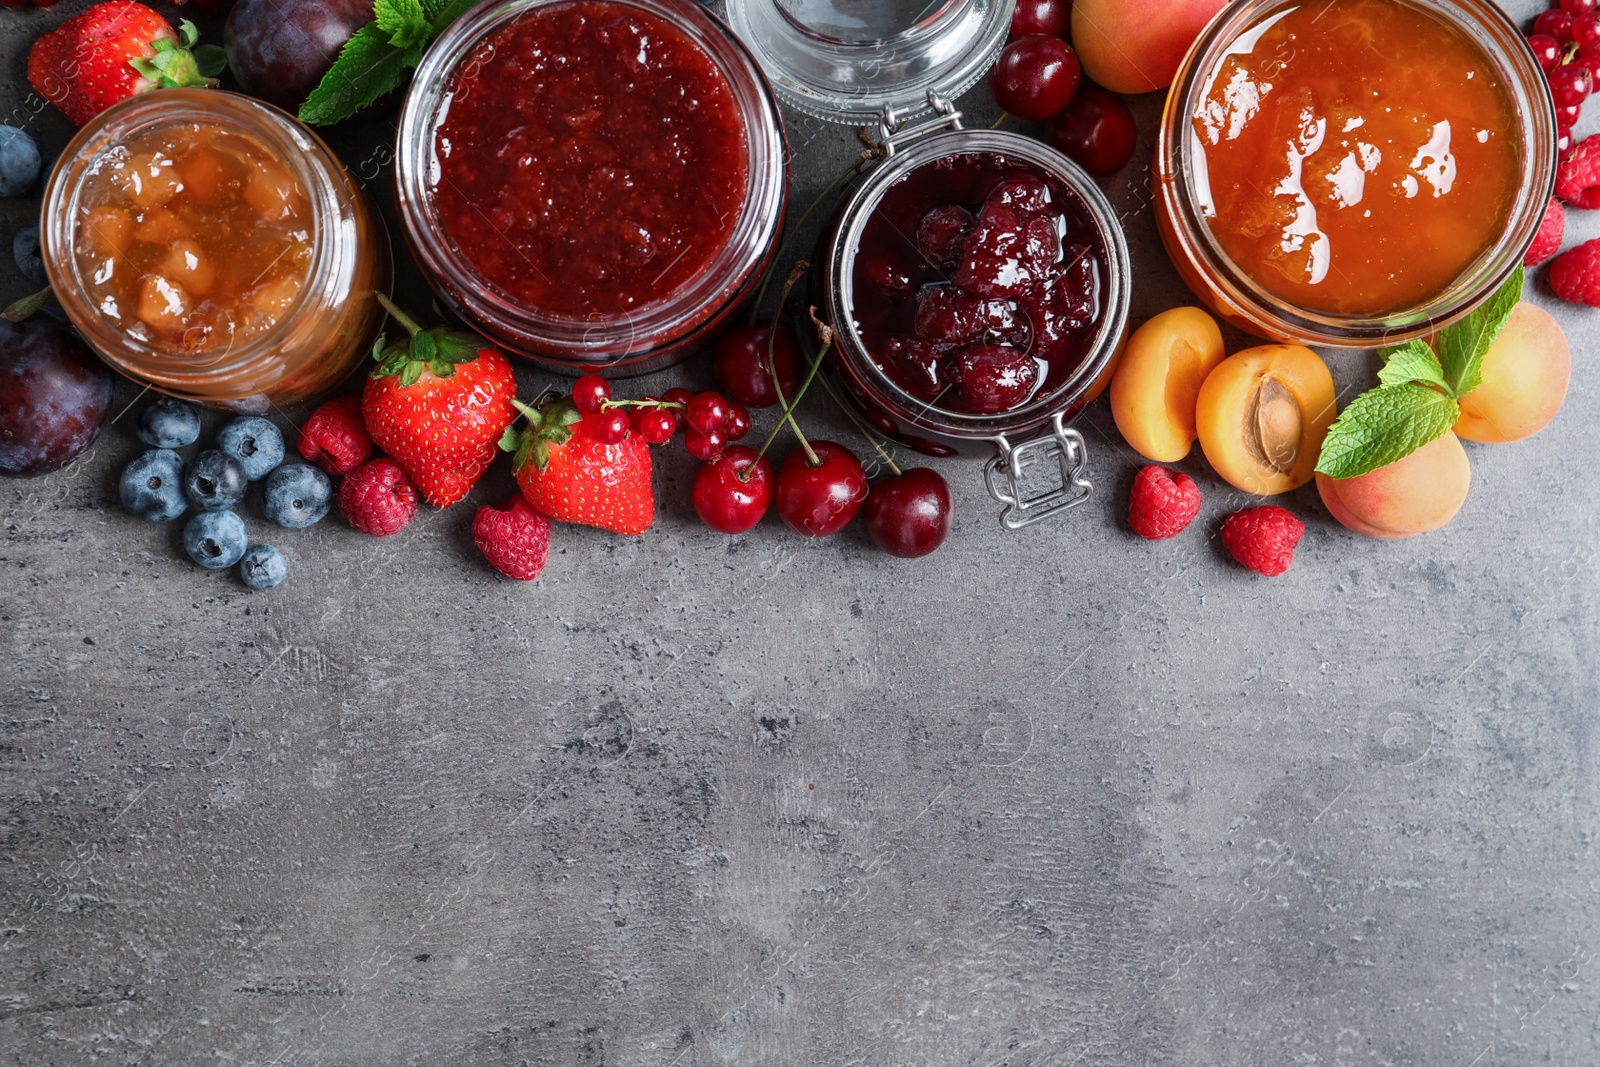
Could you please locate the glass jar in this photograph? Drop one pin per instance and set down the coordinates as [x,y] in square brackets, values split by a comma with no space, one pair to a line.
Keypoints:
[621,332]
[278,345]
[1243,301]
[938,430]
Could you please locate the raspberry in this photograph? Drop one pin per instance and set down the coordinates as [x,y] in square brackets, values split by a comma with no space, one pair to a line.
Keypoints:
[1161,504]
[940,233]
[378,498]
[1263,539]
[1547,242]
[991,378]
[335,438]
[1575,274]
[1578,176]
[514,538]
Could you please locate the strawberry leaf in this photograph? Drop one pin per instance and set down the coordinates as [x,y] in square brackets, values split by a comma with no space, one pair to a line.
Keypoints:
[423,349]
[368,68]
[404,21]
[442,368]
[211,60]
[1383,425]
[1413,361]
[1462,344]
[410,373]
[456,346]
[509,439]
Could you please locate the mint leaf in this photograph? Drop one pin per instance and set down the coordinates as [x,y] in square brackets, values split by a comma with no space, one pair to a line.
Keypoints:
[404,21]
[1383,425]
[368,68]
[1462,345]
[1413,361]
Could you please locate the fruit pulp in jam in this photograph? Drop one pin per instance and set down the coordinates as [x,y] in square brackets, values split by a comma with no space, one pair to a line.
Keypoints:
[192,239]
[1355,156]
[977,285]
[591,159]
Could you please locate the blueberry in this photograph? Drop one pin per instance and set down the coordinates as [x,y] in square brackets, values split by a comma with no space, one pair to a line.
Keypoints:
[214,481]
[255,443]
[297,495]
[152,486]
[25,250]
[215,539]
[263,567]
[19,161]
[169,423]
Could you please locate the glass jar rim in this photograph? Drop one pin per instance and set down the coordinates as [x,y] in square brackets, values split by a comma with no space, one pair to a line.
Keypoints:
[846,242]
[597,336]
[1491,30]
[291,143]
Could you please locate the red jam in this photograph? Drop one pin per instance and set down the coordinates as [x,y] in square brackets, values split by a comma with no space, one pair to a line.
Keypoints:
[591,160]
[978,283]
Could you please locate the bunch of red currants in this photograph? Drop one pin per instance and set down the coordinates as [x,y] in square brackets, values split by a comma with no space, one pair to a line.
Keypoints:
[1566,41]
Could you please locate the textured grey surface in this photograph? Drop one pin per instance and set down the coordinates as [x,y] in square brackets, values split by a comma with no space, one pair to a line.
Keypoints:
[1053,798]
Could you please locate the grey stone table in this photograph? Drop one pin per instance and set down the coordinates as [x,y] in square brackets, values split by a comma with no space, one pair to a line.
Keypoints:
[1054,798]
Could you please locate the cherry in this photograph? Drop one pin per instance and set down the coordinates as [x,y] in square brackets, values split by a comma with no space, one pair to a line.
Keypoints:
[991,379]
[589,393]
[740,364]
[704,444]
[726,502]
[908,515]
[1553,23]
[886,277]
[1050,17]
[1096,132]
[738,423]
[1035,77]
[1547,50]
[657,426]
[941,233]
[1579,7]
[608,427]
[1571,85]
[820,501]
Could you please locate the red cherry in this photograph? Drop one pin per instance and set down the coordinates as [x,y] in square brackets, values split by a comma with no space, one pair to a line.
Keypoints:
[1547,50]
[740,364]
[1052,18]
[1035,77]
[821,500]
[724,501]
[704,444]
[589,393]
[909,515]
[738,422]
[608,427]
[1096,132]
[657,426]
[1553,23]
[708,411]
[1579,7]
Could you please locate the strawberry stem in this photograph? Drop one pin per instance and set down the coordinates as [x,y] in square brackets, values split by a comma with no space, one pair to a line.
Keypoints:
[850,414]
[399,316]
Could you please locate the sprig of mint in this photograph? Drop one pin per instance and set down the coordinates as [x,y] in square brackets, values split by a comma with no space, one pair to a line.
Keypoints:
[1419,391]
[378,58]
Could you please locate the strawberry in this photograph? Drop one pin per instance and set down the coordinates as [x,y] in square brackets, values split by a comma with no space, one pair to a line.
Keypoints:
[569,474]
[439,404]
[116,50]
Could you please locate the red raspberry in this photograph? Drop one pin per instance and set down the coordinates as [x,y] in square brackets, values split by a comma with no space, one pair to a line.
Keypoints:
[1263,539]
[1575,274]
[1161,505]
[1547,242]
[335,438]
[378,498]
[514,538]
[1578,175]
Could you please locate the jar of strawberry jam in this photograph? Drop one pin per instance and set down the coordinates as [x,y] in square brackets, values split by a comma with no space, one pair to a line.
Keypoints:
[1354,172]
[212,247]
[595,184]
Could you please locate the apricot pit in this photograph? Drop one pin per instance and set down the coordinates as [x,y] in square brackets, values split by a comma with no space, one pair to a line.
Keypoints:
[1261,417]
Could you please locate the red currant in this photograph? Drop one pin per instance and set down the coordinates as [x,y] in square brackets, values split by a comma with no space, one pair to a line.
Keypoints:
[1568,116]
[705,445]
[1052,18]
[657,426]
[708,411]
[1579,7]
[609,427]
[1571,85]
[589,393]
[1547,50]
[1586,31]
[1556,24]
[1563,139]
[680,396]
[1096,132]
[738,423]
[636,415]
[729,503]
[1035,77]
[820,501]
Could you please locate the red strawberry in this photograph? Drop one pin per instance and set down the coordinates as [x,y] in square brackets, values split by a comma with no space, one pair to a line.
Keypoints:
[514,538]
[569,474]
[1578,174]
[113,51]
[1263,539]
[1160,505]
[1547,242]
[377,498]
[334,437]
[1575,274]
[439,404]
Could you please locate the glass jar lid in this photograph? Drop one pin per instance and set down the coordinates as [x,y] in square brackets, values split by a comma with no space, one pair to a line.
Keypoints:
[850,61]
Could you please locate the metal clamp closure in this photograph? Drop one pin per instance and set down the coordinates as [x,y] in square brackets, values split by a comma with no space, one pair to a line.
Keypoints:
[1004,472]
[890,136]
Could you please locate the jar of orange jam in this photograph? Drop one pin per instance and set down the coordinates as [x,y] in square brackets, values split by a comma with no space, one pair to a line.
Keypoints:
[213,248]
[1353,172]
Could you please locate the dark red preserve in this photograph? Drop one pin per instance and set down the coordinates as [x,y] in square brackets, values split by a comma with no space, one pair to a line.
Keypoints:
[978,283]
[591,159]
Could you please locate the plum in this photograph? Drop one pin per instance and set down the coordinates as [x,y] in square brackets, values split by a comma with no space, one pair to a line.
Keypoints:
[280,49]
[54,395]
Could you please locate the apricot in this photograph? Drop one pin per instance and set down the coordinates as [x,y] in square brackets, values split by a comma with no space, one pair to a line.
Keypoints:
[186,264]
[204,175]
[1262,415]
[1525,376]
[161,227]
[1413,495]
[1136,46]
[108,230]
[164,305]
[272,193]
[1157,383]
[149,180]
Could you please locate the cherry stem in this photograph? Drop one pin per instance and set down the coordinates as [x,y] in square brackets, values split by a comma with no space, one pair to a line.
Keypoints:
[772,361]
[794,230]
[850,414]
[399,316]
[1001,121]
[816,364]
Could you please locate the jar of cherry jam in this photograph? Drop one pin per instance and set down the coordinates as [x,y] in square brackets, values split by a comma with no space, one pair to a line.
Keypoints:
[594,184]
[1353,173]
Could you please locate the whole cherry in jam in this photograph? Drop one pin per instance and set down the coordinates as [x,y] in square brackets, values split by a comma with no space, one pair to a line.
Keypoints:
[993,378]
[1035,77]
[733,491]
[819,500]
[1096,132]
[909,514]
[741,367]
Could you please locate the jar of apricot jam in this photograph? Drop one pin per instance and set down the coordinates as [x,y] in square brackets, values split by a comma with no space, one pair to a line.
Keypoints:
[212,247]
[595,184]
[1353,173]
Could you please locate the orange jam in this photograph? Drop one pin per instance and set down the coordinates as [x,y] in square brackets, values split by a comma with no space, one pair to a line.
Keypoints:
[1355,156]
[192,238]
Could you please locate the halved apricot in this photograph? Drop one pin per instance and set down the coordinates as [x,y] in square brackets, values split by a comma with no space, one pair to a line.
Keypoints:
[1262,415]
[1412,495]
[1525,377]
[1157,382]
